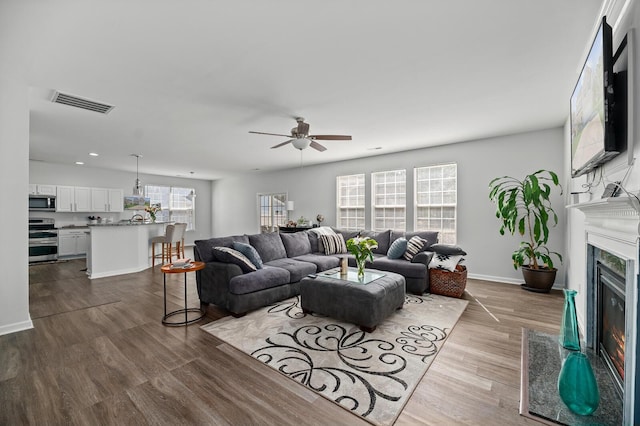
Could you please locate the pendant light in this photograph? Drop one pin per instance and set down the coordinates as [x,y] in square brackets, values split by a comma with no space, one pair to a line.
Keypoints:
[137,187]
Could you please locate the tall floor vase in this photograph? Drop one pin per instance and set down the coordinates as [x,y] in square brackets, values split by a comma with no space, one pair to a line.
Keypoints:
[569,337]
[577,383]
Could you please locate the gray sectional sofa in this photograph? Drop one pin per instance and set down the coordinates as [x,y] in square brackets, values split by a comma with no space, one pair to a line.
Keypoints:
[286,259]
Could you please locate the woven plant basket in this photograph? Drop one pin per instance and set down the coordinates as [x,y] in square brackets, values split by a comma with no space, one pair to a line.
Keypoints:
[448,283]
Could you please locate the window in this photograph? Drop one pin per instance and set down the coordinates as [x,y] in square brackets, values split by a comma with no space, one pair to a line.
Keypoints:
[273,211]
[350,202]
[436,200]
[388,192]
[175,204]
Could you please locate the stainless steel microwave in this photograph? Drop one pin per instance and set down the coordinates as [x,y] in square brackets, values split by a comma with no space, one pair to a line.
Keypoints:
[42,203]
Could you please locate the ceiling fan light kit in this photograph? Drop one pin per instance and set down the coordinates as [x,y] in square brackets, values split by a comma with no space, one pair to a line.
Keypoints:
[301,139]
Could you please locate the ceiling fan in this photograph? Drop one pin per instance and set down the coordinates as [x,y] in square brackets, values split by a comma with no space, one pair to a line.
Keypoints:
[301,139]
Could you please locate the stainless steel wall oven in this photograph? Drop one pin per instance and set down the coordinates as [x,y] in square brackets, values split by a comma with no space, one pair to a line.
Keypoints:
[43,239]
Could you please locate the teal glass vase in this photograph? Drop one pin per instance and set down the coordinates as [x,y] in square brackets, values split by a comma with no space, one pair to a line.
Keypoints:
[577,384]
[569,337]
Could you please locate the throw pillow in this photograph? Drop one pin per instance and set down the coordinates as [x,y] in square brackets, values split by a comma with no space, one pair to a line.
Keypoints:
[229,255]
[414,245]
[333,244]
[447,249]
[446,262]
[323,230]
[249,252]
[397,249]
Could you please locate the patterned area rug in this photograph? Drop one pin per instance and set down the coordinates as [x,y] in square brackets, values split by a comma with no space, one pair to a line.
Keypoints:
[371,374]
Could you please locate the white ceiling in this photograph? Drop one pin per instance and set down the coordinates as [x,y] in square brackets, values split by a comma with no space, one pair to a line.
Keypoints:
[190,79]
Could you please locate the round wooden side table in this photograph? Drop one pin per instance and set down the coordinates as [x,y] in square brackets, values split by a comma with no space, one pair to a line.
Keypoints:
[170,269]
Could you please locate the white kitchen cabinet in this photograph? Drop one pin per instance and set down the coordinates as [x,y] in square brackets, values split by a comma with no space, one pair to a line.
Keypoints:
[82,199]
[65,199]
[107,200]
[116,200]
[73,199]
[40,189]
[73,242]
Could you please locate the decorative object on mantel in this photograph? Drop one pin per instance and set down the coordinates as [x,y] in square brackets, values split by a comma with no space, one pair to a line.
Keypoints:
[361,248]
[524,205]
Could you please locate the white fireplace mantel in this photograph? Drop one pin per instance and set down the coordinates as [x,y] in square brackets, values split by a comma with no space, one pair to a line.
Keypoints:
[616,215]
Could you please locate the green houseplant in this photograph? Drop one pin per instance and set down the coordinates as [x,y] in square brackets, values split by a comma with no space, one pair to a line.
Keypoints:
[524,206]
[362,249]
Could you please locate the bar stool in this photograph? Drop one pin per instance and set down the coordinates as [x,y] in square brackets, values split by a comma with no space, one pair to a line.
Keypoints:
[174,234]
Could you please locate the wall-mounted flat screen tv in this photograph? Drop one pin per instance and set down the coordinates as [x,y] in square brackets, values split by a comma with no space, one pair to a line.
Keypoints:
[593,139]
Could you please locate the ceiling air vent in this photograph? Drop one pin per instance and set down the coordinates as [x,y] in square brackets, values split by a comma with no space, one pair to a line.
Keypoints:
[75,101]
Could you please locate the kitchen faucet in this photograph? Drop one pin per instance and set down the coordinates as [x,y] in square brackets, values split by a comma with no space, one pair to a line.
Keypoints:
[137,217]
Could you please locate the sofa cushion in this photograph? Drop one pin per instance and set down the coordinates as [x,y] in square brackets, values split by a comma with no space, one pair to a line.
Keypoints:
[296,268]
[333,244]
[347,234]
[445,262]
[322,262]
[400,266]
[382,238]
[262,279]
[229,255]
[430,236]
[205,247]
[397,248]
[296,243]
[249,252]
[447,249]
[414,246]
[269,246]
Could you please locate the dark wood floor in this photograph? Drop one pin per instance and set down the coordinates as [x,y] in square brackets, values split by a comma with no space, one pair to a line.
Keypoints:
[98,354]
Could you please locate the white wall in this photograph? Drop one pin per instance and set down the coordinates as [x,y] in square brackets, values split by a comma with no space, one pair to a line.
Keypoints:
[72,175]
[14,159]
[313,189]
[612,171]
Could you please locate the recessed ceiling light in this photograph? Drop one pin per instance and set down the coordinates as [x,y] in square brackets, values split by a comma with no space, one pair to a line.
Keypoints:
[93,154]
[79,163]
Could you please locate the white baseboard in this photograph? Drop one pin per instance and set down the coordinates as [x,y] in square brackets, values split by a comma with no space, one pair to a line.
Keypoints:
[515,281]
[15,327]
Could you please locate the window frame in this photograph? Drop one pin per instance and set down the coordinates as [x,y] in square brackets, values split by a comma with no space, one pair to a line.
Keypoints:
[445,235]
[351,222]
[167,213]
[276,220]
[395,219]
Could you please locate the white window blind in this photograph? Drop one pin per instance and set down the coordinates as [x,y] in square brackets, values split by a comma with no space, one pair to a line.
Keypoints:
[350,202]
[389,200]
[436,189]
[175,205]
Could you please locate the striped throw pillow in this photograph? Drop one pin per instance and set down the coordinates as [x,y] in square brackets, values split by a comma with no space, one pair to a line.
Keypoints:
[229,255]
[414,245]
[333,244]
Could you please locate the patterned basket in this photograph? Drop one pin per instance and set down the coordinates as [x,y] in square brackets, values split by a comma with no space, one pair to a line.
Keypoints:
[448,283]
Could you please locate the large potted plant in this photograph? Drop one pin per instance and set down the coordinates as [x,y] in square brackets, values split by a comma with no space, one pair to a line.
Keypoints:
[524,206]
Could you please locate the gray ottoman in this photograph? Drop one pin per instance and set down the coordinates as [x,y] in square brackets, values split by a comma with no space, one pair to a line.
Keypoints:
[366,305]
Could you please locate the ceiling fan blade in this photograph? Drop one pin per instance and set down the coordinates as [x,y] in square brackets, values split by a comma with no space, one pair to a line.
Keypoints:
[270,134]
[282,144]
[317,146]
[331,137]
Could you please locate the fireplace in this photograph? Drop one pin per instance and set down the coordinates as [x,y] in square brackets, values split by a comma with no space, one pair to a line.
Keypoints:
[611,315]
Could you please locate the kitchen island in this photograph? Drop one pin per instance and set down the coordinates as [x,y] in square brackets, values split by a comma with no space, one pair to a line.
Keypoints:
[120,248]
